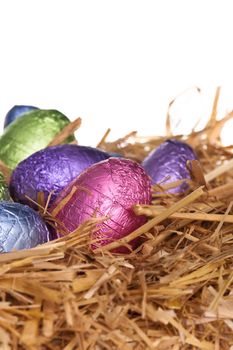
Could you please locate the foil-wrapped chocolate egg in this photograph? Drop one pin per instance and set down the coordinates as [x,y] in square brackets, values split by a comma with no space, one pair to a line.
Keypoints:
[30,133]
[20,227]
[16,112]
[4,192]
[167,164]
[107,189]
[50,170]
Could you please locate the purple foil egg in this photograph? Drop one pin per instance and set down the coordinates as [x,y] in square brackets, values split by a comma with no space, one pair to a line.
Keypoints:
[107,189]
[20,227]
[167,163]
[51,169]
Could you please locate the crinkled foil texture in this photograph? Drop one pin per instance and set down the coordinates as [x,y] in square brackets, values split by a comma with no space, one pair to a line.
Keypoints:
[51,169]
[30,133]
[167,163]
[107,189]
[20,227]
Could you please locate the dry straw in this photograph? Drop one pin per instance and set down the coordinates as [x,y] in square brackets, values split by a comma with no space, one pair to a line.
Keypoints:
[174,292]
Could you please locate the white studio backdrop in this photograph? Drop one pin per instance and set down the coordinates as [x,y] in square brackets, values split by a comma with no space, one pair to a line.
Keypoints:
[118,63]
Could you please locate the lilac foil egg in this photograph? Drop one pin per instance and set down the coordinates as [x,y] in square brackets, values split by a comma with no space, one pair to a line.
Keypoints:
[51,169]
[167,163]
[20,227]
[107,189]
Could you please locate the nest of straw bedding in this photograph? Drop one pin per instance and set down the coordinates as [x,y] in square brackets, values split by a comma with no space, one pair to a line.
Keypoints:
[174,292]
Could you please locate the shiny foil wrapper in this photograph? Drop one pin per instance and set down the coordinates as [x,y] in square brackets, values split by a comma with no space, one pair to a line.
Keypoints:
[20,227]
[16,112]
[50,170]
[167,164]
[107,189]
[30,133]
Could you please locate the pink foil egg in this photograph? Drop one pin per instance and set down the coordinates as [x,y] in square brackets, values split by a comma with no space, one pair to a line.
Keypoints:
[107,189]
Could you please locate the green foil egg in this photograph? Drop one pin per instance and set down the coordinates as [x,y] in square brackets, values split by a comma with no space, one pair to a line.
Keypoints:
[4,193]
[29,134]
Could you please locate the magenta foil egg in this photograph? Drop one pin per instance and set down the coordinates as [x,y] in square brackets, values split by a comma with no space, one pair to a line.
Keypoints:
[167,163]
[107,189]
[50,170]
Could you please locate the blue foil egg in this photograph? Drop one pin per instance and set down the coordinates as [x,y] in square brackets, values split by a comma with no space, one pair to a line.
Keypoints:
[167,164]
[17,111]
[20,227]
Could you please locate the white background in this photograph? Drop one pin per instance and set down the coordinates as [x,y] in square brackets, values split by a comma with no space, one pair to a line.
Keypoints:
[117,63]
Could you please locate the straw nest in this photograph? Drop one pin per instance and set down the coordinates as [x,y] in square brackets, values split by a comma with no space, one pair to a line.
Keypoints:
[174,292]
